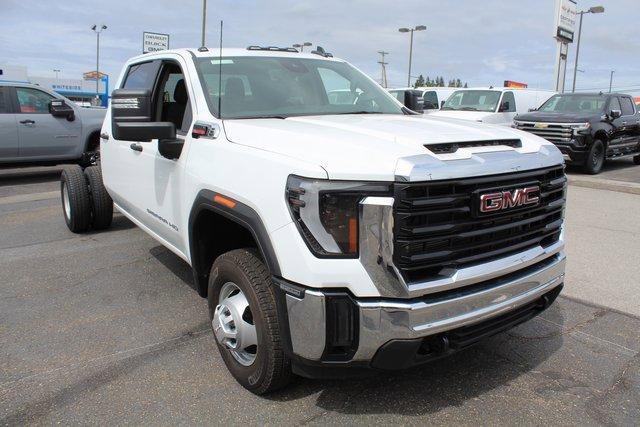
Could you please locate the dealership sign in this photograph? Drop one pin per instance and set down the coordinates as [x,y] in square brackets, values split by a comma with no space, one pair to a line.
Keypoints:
[566,14]
[154,42]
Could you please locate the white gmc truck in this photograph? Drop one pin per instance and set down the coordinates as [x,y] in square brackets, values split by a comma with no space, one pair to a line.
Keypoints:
[330,235]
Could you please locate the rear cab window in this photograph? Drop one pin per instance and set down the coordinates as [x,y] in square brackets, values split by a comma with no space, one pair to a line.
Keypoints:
[430,100]
[627,106]
[4,104]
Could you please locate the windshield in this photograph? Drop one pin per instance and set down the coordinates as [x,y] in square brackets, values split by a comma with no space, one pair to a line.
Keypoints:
[574,104]
[473,100]
[258,87]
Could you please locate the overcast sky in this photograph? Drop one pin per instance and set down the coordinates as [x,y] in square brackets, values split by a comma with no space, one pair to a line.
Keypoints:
[479,41]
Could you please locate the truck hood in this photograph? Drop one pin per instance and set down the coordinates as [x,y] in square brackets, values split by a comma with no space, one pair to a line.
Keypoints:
[368,147]
[539,116]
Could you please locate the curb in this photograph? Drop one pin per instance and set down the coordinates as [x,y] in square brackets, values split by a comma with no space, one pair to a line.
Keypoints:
[605,184]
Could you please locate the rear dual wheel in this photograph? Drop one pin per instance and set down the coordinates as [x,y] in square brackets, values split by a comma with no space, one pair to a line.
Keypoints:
[85,201]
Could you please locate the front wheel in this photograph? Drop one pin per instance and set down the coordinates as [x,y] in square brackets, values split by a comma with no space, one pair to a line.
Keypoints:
[595,158]
[243,314]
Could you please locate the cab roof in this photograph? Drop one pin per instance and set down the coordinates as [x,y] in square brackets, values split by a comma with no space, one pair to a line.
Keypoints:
[234,51]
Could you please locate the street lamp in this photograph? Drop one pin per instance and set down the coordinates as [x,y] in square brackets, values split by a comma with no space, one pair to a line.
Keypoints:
[301,46]
[411,30]
[98,30]
[594,9]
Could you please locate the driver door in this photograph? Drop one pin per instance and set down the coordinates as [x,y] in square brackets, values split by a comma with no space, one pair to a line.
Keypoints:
[42,136]
[146,184]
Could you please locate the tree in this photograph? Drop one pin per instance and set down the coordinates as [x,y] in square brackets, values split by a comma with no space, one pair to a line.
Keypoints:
[419,81]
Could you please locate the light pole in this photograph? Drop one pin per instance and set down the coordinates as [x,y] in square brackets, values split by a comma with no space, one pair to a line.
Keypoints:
[594,9]
[301,45]
[411,30]
[56,71]
[611,80]
[204,20]
[98,30]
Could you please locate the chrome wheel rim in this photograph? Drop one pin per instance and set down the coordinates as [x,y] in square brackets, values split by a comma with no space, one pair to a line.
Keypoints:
[66,205]
[233,324]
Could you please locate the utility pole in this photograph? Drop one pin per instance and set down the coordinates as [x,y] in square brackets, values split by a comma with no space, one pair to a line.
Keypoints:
[204,20]
[611,80]
[56,71]
[383,66]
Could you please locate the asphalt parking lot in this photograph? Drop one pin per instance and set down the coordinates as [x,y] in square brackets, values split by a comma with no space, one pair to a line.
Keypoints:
[106,328]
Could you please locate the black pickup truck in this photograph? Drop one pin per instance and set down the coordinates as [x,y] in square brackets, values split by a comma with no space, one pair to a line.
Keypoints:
[587,127]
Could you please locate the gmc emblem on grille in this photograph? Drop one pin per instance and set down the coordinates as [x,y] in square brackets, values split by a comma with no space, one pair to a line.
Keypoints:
[494,202]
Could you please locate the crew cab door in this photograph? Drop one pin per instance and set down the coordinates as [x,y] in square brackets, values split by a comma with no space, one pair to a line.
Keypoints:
[41,135]
[144,183]
[630,121]
[8,128]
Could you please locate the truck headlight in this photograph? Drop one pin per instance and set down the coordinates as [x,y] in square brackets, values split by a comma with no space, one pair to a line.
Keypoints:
[581,128]
[326,213]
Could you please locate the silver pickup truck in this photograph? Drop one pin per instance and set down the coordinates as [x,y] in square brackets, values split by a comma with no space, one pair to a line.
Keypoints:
[41,126]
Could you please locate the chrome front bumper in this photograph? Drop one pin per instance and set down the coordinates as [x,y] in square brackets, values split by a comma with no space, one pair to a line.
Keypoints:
[383,320]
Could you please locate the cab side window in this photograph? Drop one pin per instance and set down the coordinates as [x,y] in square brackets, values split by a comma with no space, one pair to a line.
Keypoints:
[141,76]
[614,104]
[32,101]
[173,99]
[4,107]
[511,100]
[627,106]
[430,100]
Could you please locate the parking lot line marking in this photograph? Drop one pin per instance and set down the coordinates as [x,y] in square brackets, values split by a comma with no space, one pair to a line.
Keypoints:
[20,198]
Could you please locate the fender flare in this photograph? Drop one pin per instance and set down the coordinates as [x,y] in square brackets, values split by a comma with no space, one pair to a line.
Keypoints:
[241,214]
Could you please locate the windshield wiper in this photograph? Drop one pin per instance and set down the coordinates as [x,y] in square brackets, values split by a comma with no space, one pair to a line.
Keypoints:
[469,109]
[360,112]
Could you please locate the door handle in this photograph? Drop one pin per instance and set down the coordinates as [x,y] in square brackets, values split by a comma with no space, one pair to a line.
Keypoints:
[104,136]
[136,147]
[28,122]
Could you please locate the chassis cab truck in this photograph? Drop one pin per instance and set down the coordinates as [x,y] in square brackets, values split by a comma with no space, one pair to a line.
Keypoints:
[329,237]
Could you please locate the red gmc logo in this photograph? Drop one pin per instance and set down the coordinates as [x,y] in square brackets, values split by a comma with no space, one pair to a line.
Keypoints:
[494,202]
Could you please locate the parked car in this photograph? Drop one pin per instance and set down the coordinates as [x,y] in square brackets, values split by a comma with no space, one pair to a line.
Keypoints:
[328,238]
[433,97]
[588,128]
[40,126]
[492,105]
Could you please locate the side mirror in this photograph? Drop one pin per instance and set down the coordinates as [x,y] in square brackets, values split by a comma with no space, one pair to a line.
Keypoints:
[59,108]
[614,114]
[131,120]
[532,109]
[442,103]
[504,107]
[413,100]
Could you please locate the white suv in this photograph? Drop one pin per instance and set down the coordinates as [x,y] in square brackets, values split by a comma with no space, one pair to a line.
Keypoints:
[329,237]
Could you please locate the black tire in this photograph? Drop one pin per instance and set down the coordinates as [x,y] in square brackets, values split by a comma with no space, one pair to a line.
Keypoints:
[271,368]
[102,205]
[76,203]
[636,159]
[595,158]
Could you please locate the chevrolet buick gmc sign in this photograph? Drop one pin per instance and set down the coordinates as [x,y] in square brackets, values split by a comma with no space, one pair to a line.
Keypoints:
[154,42]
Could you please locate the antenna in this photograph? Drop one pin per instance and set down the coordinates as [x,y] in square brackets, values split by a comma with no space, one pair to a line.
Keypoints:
[220,74]
[383,64]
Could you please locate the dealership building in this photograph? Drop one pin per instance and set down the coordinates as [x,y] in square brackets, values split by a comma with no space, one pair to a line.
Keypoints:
[81,90]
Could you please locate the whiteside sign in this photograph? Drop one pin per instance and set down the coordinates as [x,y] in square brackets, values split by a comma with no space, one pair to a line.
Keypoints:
[566,14]
[154,42]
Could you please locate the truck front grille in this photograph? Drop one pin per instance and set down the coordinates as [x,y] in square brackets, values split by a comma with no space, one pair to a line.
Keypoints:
[554,132]
[438,225]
